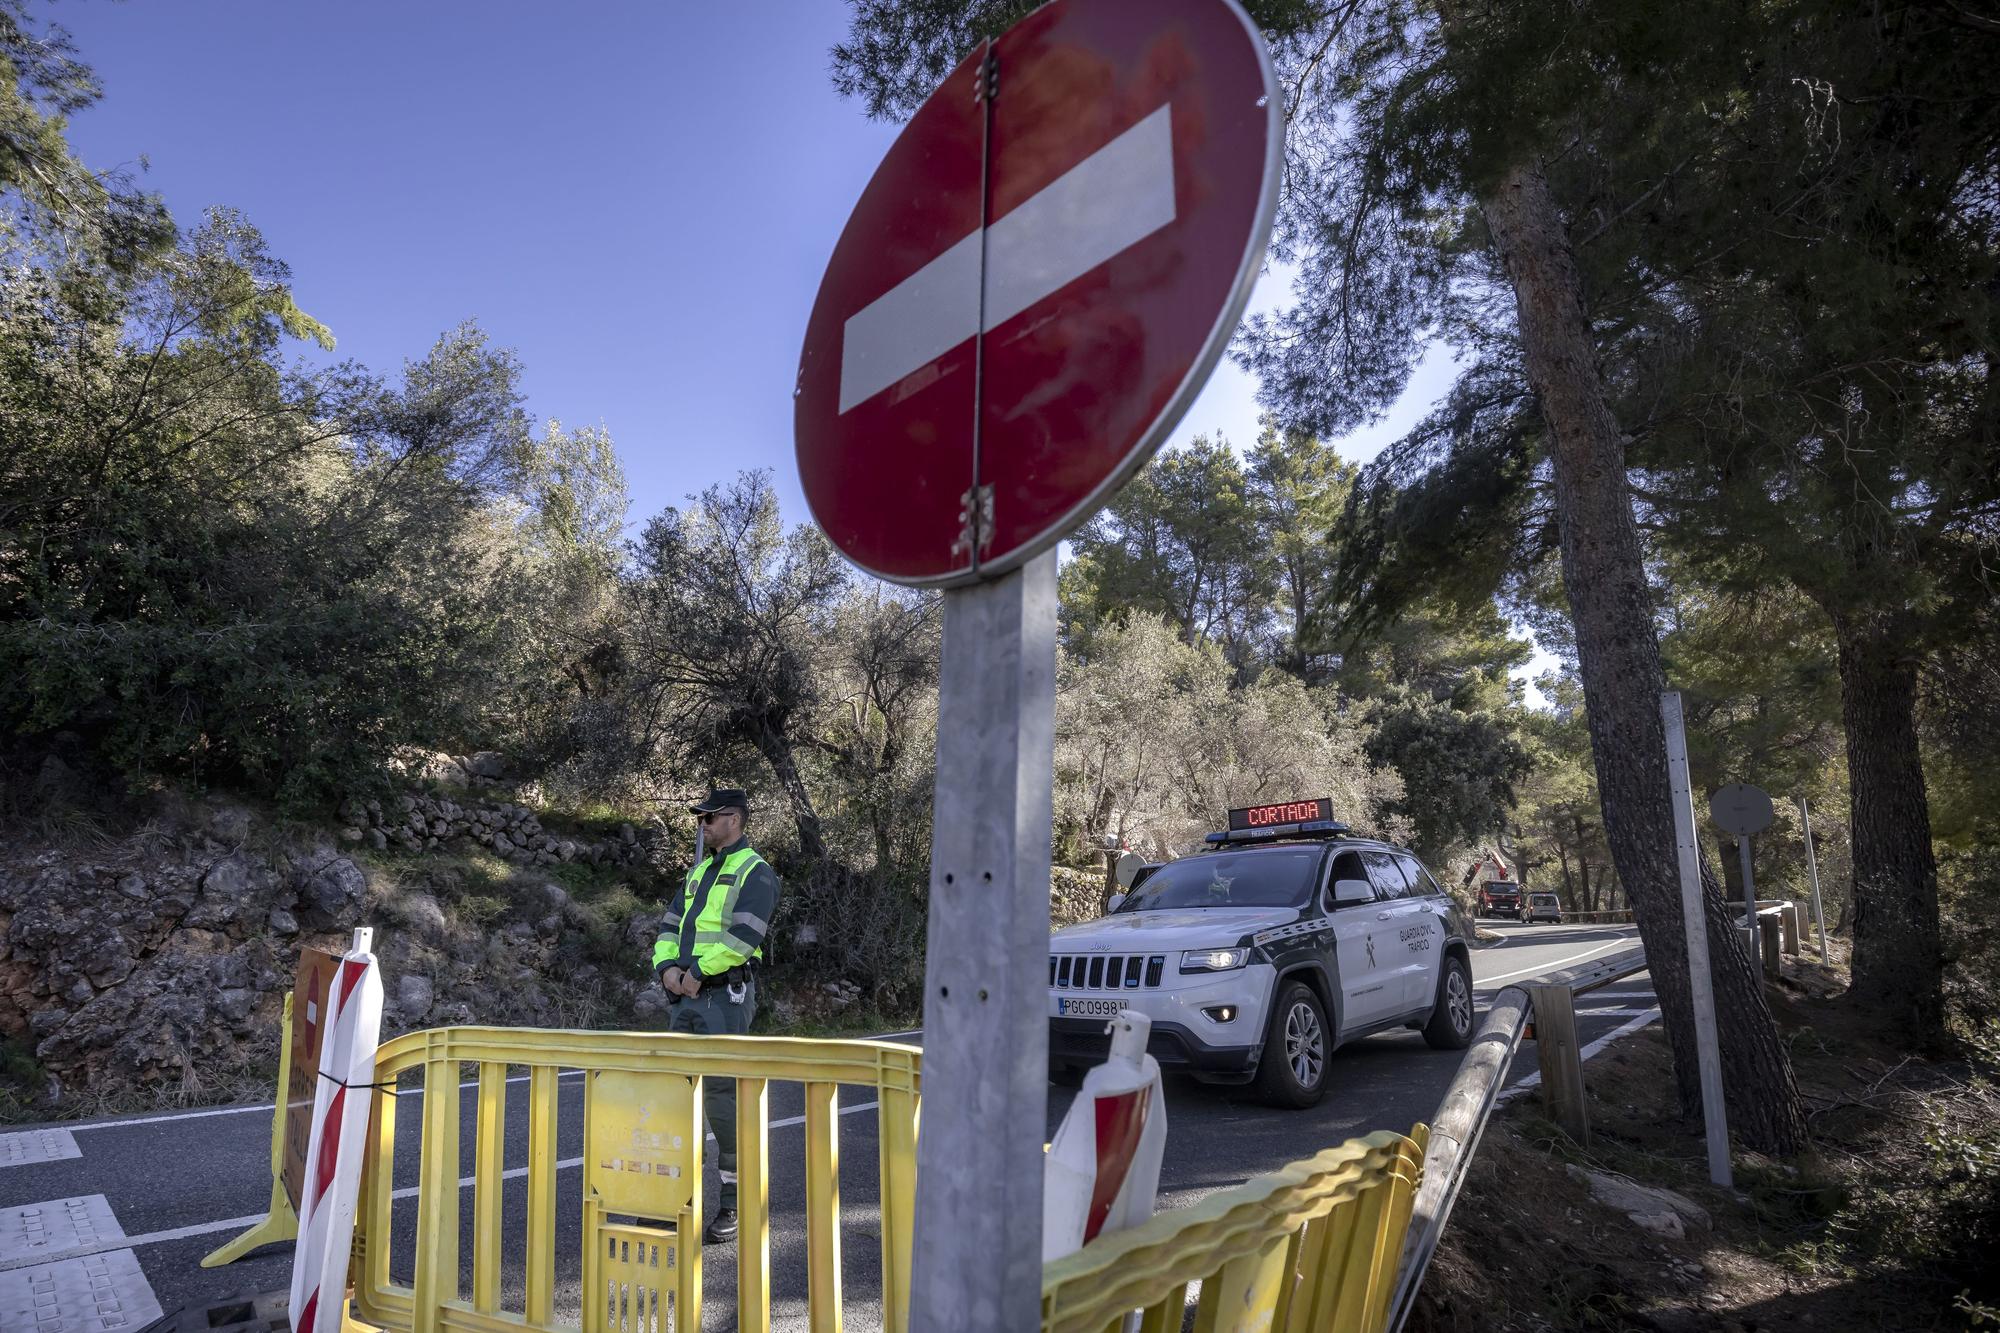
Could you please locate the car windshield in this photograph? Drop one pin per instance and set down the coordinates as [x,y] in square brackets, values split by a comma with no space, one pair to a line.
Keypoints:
[1269,877]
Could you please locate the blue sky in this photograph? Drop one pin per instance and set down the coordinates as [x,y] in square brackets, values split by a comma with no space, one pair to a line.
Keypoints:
[638,198]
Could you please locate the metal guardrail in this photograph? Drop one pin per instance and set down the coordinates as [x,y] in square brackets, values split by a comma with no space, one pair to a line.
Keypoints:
[642,1160]
[1468,1102]
[1312,1245]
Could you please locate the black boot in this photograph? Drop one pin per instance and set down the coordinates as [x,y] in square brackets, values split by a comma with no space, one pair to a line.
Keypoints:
[721,1227]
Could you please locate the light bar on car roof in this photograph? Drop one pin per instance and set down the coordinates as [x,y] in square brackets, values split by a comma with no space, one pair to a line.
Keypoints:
[1310,828]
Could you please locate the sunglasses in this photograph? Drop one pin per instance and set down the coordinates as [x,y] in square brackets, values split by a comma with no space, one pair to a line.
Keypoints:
[710,816]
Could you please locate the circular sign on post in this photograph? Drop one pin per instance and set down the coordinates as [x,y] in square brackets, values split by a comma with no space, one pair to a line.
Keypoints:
[1036,283]
[1740,809]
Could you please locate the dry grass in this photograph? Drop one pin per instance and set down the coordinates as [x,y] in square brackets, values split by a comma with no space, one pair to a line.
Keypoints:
[1889,1223]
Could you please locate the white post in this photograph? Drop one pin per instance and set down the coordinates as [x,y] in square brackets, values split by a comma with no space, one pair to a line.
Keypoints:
[978,1262]
[1701,982]
[1812,869]
[1749,896]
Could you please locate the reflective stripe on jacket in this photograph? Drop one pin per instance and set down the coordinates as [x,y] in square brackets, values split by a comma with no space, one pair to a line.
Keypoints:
[719,919]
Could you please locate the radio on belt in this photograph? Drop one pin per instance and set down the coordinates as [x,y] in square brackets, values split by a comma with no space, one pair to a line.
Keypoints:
[1255,957]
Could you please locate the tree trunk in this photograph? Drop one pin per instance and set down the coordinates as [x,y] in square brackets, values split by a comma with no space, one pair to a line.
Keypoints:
[776,748]
[1898,954]
[1604,577]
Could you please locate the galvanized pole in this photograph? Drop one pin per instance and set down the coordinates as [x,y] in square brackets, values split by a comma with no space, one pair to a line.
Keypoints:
[1812,869]
[1749,892]
[978,1262]
[1701,982]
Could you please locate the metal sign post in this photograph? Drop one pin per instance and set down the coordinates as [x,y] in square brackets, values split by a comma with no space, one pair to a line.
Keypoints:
[1701,982]
[1742,810]
[1026,299]
[1812,870]
[986,1027]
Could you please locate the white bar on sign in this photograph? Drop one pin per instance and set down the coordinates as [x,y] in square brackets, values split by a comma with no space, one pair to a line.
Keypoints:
[1113,199]
[912,324]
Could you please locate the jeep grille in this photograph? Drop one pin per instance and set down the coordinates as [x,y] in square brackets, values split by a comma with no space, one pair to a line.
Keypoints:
[1100,971]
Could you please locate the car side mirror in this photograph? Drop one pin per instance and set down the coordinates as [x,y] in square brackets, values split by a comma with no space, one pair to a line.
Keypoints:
[1117,901]
[1347,892]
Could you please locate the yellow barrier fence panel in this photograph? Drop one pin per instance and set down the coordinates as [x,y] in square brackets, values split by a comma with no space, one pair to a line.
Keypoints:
[1332,1224]
[896,1110]
[753,1206]
[1165,1315]
[823,1206]
[280,1221]
[641,1159]
[489,1162]
[436,1277]
[642,1179]
[540,1272]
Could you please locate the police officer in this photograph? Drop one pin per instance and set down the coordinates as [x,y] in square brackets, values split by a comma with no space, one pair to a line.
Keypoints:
[710,940]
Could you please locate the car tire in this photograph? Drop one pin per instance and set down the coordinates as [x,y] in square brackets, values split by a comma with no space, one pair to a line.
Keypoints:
[1450,1026]
[1292,1071]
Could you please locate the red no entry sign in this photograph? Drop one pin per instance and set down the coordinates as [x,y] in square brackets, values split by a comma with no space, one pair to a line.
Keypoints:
[1036,283]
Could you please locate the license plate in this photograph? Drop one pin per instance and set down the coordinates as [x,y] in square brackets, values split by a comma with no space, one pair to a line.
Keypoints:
[1089,1008]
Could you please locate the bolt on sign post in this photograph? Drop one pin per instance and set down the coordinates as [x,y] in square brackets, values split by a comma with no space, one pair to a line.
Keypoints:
[1742,810]
[1701,982]
[1029,294]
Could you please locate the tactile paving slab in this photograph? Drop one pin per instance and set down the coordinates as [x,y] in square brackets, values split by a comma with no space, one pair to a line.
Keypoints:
[97,1293]
[28,1146]
[35,1230]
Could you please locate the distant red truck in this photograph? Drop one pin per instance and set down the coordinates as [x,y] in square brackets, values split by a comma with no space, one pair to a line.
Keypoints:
[1500,897]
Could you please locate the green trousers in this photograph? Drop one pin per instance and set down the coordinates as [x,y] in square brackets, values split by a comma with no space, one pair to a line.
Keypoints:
[713,1013]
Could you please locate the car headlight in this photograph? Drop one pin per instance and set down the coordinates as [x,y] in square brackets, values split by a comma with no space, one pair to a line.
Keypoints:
[1213,960]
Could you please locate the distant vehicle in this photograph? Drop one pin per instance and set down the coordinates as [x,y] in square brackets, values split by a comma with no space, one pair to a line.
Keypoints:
[1500,897]
[1543,907]
[1254,959]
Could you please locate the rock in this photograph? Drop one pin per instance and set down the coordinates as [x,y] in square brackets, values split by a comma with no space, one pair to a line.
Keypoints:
[1666,1225]
[133,886]
[421,913]
[549,926]
[282,922]
[651,1004]
[79,993]
[351,836]
[1630,1197]
[414,995]
[555,896]
[230,826]
[486,764]
[235,1003]
[626,833]
[109,960]
[377,839]
[336,889]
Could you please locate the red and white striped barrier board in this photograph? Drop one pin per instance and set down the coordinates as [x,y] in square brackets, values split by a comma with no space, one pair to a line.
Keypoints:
[352,1029]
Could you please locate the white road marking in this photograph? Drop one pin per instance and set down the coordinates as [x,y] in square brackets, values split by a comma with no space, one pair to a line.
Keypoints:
[103,1292]
[33,1232]
[1555,964]
[31,1147]
[1589,1049]
[1108,202]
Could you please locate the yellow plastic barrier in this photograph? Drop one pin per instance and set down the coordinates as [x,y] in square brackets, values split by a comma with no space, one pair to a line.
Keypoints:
[642,1159]
[280,1221]
[1312,1246]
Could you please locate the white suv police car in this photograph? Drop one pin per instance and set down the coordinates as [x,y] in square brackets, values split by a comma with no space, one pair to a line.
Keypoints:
[1256,958]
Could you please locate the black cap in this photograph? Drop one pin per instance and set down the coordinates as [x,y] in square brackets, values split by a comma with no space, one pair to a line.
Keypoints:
[722,798]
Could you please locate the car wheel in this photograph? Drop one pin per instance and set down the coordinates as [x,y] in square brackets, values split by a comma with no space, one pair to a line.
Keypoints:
[1450,1028]
[1292,1071]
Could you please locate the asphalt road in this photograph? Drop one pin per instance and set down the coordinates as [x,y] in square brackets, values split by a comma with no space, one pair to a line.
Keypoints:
[178,1185]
